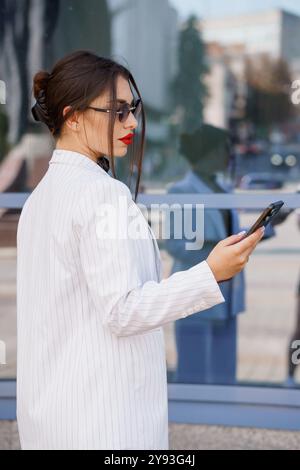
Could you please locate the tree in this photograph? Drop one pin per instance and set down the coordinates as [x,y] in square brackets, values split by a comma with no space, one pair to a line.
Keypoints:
[82,25]
[21,44]
[268,99]
[188,89]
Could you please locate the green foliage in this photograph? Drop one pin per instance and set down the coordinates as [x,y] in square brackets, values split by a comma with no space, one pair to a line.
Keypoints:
[268,100]
[188,89]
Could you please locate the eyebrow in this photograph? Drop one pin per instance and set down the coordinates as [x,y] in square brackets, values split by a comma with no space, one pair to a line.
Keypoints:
[119,100]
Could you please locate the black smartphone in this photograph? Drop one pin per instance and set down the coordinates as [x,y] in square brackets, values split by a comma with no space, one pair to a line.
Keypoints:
[266,217]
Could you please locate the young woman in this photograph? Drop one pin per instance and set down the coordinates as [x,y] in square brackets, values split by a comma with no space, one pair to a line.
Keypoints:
[91,304]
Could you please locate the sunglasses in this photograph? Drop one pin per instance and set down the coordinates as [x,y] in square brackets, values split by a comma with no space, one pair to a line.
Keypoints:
[124,111]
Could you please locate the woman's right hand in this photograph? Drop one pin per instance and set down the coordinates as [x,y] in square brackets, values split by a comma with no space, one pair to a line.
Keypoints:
[231,255]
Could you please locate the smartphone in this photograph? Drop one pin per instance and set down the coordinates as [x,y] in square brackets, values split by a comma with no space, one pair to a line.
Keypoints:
[266,217]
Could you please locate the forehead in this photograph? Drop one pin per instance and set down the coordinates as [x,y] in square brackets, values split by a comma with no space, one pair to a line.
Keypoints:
[123,89]
[123,93]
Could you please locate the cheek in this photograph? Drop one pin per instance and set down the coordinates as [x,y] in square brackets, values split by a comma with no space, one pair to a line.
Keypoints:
[118,129]
[100,131]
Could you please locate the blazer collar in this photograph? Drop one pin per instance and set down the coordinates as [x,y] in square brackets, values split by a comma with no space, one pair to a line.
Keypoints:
[69,157]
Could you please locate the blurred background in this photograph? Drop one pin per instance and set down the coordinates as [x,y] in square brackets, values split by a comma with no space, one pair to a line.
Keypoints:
[201,66]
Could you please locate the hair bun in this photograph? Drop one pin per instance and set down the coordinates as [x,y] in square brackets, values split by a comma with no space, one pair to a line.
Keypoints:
[40,82]
[40,110]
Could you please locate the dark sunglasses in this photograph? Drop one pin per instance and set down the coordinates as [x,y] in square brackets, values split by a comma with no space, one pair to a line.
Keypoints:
[124,111]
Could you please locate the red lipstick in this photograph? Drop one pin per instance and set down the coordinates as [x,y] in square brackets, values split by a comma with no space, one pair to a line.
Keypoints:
[127,139]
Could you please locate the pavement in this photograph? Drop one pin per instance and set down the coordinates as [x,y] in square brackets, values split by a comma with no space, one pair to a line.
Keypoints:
[194,437]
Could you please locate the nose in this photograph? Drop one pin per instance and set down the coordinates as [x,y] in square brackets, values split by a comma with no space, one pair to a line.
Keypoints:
[131,122]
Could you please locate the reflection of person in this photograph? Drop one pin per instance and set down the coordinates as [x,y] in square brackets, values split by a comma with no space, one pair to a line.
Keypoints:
[295,339]
[207,342]
[90,299]
[292,366]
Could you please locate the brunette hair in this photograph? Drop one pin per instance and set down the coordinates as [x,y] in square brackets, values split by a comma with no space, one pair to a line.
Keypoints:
[76,80]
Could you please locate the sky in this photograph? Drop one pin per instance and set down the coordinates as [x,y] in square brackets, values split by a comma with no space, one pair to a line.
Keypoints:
[217,8]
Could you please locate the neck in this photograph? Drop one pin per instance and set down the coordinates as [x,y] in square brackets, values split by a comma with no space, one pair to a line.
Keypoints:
[62,144]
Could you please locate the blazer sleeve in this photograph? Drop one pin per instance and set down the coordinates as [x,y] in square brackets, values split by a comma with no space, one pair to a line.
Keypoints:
[111,269]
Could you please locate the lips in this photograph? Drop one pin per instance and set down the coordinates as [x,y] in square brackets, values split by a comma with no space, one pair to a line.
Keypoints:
[128,139]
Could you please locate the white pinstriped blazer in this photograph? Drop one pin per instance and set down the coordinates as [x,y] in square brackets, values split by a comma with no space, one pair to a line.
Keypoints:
[91,371]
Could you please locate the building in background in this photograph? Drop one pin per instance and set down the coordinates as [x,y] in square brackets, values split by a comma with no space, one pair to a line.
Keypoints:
[275,32]
[144,39]
[231,41]
[223,84]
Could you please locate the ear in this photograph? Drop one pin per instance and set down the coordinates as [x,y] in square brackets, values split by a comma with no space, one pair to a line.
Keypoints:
[72,121]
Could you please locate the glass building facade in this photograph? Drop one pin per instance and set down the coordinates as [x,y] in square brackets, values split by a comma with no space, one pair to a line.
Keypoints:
[222,103]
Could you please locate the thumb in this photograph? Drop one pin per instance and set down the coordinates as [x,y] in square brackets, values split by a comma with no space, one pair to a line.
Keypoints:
[233,239]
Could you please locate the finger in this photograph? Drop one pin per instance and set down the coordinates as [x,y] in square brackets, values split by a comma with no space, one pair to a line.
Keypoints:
[249,242]
[247,253]
[251,249]
[233,239]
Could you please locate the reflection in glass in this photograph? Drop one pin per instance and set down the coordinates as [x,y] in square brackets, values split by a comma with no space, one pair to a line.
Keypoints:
[190,72]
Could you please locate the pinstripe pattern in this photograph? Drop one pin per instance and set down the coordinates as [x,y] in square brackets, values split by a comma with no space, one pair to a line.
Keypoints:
[91,358]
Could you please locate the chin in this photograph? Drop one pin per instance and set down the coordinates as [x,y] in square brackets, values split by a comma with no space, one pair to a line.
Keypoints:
[121,152]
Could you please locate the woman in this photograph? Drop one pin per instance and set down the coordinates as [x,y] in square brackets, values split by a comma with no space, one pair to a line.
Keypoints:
[91,302]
